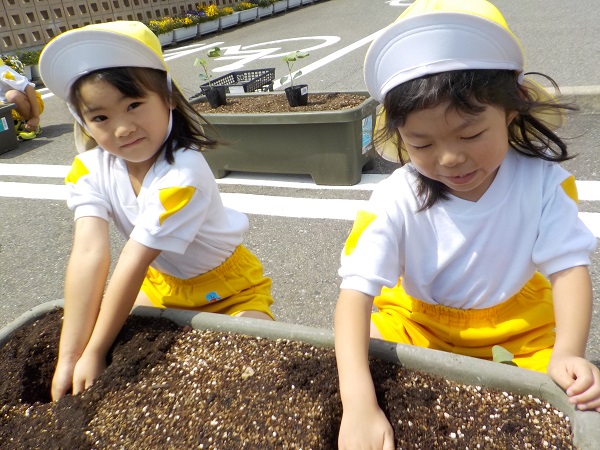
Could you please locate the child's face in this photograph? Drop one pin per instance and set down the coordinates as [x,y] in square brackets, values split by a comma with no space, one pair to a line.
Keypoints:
[462,151]
[131,128]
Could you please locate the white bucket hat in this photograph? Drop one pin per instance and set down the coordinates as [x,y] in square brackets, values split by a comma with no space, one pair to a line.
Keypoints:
[434,36]
[80,51]
[83,50]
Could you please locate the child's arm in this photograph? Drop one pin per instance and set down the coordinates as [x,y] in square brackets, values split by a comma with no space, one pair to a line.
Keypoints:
[364,424]
[121,293]
[572,295]
[86,275]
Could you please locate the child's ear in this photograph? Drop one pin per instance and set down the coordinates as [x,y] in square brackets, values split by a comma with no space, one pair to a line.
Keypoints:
[510,116]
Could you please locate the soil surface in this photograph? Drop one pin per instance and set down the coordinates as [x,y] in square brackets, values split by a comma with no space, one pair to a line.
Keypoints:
[168,387]
[277,103]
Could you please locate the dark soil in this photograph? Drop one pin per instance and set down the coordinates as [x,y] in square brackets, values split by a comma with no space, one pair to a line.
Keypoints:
[168,387]
[277,103]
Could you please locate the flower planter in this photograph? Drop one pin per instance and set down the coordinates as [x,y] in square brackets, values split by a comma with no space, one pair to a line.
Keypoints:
[208,27]
[35,72]
[280,6]
[166,38]
[265,12]
[330,146]
[294,3]
[185,33]
[27,72]
[248,15]
[230,20]
[456,368]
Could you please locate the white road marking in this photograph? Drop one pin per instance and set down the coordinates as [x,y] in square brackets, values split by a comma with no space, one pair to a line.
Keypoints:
[281,206]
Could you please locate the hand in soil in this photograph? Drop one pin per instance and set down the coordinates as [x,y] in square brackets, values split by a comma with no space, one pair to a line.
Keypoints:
[365,428]
[87,369]
[62,381]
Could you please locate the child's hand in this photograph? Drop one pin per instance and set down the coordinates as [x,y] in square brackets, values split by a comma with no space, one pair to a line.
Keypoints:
[63,378]
[579,378]
[365,429]
[87,369]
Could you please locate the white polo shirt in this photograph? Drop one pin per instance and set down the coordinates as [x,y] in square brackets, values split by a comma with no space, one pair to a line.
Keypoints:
[466,254]
[178,210]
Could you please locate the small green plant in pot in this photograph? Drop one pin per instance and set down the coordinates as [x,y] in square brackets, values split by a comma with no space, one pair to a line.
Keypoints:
[296,95]
[216,95]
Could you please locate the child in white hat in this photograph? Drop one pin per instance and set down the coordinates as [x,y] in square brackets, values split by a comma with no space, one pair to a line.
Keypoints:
[475,241]
[141,166]
[17,89]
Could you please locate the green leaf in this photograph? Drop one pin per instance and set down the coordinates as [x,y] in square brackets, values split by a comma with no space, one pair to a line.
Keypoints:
[501,355]
[200,62]
[283,79]
[297,74]
[214,52]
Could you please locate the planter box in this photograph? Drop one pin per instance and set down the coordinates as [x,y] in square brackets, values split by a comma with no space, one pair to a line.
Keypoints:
[208,27]
[461,369]
[280,6]
[265,12]
[294,3]
[166,38]
[330,146]
[185,33]
[229,21]
[27,72]
[35,72]
[8,135]
[248,15]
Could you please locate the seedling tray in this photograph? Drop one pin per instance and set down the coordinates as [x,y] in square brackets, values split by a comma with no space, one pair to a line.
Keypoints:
[243,81]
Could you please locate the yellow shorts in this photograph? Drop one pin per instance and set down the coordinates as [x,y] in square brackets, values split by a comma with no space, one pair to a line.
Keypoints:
[523,325]
[17,116]
[236,285]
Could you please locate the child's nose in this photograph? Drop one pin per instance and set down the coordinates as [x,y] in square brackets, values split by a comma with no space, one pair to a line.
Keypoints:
[451,157]
[124,128]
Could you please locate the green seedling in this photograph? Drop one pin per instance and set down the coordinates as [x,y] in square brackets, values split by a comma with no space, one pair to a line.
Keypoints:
[290,59]
[203,62]
[503,356]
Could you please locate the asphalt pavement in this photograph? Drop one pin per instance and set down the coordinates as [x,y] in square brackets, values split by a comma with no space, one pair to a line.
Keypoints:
[300,251]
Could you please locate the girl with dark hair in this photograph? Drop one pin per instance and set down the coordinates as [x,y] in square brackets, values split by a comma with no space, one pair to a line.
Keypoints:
[475,241]
[140,164]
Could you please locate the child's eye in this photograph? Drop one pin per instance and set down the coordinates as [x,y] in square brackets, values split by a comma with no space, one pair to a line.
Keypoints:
[134,105]
[475,136]
[99,118]
[418,147]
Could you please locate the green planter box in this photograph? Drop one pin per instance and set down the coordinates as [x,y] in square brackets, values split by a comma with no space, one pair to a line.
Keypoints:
[330,146]
[457,368]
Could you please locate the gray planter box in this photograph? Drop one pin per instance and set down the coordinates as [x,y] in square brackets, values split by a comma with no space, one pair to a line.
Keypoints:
[330,146]
[461,369]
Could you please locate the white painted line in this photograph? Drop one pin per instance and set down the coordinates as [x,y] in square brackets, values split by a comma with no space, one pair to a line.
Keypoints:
[33,190]
[308,208]
[367,182]
[592,221]
[312,208]
[588,190]
[34,170]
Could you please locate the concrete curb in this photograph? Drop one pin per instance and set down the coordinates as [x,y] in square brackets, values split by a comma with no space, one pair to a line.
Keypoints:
[586,97]
[461,369]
